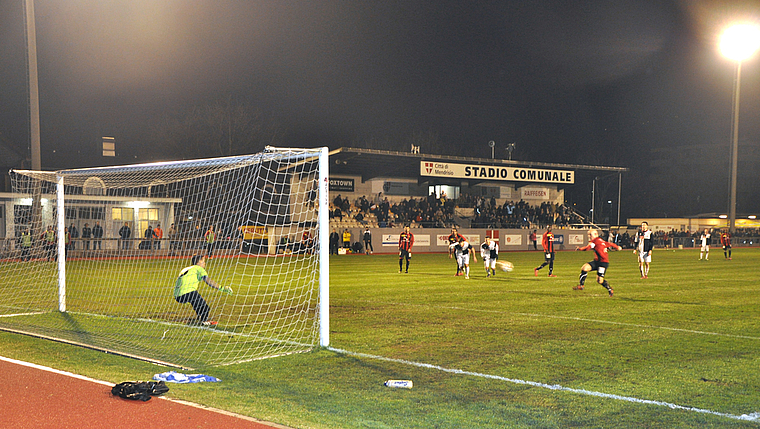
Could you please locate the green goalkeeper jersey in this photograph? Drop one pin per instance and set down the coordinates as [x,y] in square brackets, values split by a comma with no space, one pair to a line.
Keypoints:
[188,280]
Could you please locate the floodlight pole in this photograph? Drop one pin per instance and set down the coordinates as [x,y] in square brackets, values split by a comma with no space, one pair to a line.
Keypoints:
[620,192]
[34,94]
[593,199]
[734,150]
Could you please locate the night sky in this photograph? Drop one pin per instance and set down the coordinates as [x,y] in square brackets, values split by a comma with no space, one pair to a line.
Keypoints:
[597,82]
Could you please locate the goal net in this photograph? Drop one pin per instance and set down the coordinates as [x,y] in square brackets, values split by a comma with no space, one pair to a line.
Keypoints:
[97,254]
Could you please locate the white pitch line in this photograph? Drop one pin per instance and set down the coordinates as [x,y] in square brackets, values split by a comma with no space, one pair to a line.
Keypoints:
[581,319]
[753,417]
[22,314]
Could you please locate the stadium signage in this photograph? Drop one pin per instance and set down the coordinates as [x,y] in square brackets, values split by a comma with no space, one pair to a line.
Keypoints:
[342,185]
[492,172]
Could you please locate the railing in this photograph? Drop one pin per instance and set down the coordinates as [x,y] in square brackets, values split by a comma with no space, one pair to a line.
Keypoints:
[694,242]
[10,248]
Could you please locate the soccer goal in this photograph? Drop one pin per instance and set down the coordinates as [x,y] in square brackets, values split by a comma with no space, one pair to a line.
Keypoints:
[98,252]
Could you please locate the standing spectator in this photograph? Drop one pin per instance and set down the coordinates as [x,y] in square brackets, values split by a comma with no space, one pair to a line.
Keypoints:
[405,243]
[149,236]
[346,239]
[66,241]
[334,239]
[172,235]
[306,244]
[368,242]
[547,242]
[26,244]
[97,233]
[74,235]
[49,242]
[158,233]
[533,238]
[86,234]
[210,237]
[125,232]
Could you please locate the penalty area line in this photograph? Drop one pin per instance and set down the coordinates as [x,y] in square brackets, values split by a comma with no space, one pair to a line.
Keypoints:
[753,417]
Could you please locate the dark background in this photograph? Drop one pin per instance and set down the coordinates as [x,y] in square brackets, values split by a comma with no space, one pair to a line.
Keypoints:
[637,84]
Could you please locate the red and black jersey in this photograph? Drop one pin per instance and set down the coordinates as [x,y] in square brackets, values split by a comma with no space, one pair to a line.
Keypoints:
[600,249]
[406,241]
[725,239]
[454,237]
[548,242]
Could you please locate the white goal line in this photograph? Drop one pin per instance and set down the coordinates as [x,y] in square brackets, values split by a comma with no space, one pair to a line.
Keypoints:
[753,417]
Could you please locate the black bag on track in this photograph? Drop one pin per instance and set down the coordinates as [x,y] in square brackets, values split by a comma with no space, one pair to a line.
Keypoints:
[139,390]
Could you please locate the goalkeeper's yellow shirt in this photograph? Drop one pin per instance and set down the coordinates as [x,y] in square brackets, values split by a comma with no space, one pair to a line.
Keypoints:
[188,280]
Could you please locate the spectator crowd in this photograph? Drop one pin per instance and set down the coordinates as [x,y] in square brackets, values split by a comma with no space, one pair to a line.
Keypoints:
[439,212]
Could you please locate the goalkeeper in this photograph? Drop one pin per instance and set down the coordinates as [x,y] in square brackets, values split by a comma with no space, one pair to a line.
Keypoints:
[186,288]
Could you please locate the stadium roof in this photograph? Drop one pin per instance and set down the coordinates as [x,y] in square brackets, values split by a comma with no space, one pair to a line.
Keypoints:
[372,163]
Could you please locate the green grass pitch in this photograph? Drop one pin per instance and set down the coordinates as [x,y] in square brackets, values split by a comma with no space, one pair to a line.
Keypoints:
[688,336]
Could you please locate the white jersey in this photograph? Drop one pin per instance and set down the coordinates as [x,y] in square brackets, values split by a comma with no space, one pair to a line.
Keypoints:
[705,239]
[462,252]
[485,250]
[491,255]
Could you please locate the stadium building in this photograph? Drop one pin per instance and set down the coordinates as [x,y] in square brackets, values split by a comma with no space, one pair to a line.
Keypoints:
[505,199]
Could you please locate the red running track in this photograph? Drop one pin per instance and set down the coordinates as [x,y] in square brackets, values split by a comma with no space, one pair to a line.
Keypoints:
[33,397]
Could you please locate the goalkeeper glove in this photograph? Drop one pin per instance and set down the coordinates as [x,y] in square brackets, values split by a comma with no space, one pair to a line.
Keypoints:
[226,289]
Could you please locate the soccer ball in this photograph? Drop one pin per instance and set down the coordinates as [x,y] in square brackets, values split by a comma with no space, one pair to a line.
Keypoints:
[505,266]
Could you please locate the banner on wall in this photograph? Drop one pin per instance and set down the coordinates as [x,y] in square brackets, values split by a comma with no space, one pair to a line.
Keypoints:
[529,193]
[342,185]
[419,240]
[485,172]
[511,240]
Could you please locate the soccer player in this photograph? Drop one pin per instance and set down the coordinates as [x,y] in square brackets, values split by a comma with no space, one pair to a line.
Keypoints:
[405,243]
[489,251]
[600,263]
[186,288]
[704,240]
[725,241]
[454,239]
[547,242]
[463,250]
[644,245]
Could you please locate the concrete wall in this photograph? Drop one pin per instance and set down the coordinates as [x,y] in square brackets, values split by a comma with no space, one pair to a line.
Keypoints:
[434,240]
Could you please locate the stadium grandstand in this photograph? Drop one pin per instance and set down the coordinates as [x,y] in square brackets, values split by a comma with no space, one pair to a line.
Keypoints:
[379,189]
[383,188]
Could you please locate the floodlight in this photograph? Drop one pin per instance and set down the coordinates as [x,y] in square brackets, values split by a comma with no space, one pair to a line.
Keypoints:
[740,42]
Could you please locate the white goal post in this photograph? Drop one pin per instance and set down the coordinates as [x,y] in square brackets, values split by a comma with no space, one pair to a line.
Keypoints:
[98,251]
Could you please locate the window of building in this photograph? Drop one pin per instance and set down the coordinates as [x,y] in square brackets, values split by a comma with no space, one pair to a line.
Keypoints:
[148,216]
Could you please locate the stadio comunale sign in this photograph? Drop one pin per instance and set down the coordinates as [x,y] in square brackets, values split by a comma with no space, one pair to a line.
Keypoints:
[491,172]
